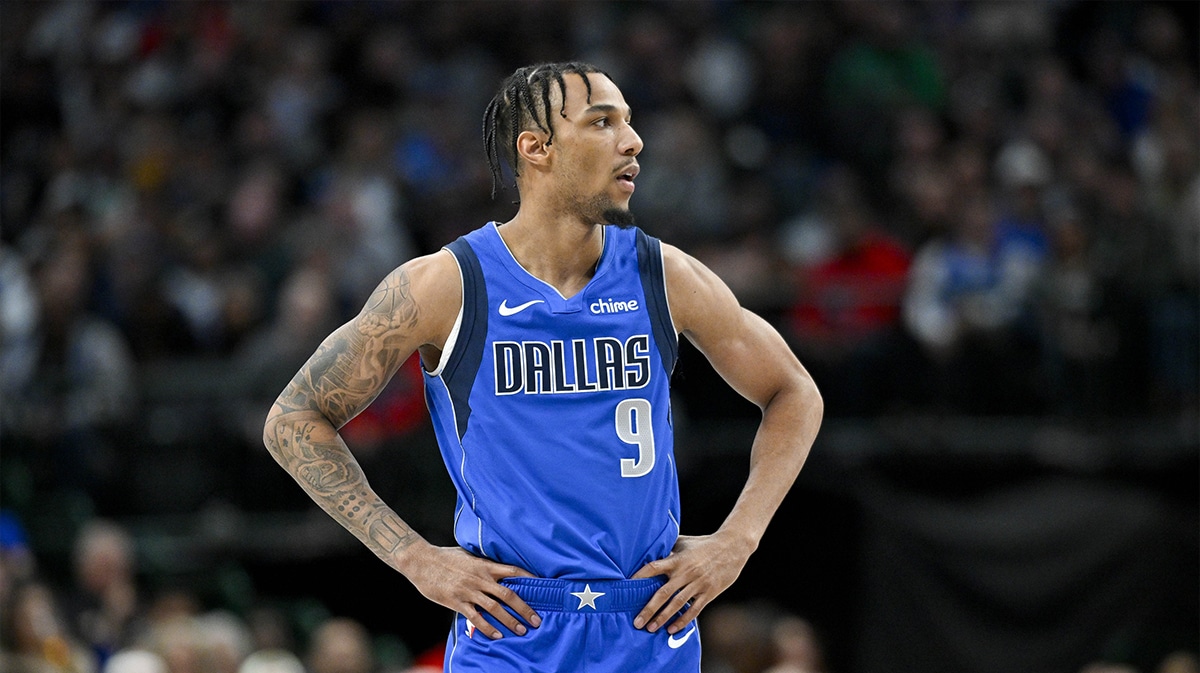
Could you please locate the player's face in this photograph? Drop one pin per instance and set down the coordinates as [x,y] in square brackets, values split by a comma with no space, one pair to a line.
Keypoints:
[596,151]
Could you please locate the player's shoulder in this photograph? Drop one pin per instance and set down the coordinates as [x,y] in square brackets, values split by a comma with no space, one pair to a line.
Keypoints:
[428,289]
[683,271]
[433,277]
[434,267]
[695,293]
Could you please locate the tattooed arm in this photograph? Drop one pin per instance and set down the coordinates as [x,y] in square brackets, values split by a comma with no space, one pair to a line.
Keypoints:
[413,308]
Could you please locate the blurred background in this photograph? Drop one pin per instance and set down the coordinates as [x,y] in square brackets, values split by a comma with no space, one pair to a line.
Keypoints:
[977,223]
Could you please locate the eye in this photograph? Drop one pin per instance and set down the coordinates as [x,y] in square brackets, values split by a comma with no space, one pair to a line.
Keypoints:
[602,122]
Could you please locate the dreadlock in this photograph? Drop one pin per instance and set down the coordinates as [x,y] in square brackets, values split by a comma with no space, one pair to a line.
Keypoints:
[522,102]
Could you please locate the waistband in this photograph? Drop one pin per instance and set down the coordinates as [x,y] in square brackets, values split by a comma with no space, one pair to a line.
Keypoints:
[544,594]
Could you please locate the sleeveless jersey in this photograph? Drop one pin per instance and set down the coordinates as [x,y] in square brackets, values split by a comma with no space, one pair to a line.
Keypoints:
[553,414]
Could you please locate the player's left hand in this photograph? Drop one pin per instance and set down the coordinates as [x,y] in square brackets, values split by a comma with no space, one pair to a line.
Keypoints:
[698,569]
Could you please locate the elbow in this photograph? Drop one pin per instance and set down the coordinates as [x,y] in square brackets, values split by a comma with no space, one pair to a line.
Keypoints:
[271,429]
[276,431]
[810,396]
[799,399]
[816,403]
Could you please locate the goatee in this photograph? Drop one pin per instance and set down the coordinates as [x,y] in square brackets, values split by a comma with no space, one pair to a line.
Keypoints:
[621,217]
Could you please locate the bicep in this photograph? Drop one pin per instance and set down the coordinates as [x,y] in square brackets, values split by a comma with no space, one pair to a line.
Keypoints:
[748,353]
[354,363]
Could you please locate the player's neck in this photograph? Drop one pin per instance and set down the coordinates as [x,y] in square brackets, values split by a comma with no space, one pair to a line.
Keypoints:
[563,253]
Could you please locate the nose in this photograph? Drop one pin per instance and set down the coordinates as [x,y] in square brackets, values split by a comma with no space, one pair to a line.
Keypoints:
[631,142]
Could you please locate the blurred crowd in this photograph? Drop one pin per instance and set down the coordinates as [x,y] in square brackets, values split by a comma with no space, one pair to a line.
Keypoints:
[962,207]
[103,620]
[971,207]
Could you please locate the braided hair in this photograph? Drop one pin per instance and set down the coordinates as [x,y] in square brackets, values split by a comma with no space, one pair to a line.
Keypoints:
[523,102]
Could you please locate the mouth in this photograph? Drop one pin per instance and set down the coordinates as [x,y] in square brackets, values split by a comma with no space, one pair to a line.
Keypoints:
[626,175]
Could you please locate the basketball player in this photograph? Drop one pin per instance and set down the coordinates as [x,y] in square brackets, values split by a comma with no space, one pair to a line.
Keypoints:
[547,344]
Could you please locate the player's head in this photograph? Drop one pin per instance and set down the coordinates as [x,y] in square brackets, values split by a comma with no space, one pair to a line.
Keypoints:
[524,103]
[567,125]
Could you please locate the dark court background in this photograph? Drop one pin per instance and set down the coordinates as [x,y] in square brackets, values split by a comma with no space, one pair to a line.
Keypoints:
[976,223]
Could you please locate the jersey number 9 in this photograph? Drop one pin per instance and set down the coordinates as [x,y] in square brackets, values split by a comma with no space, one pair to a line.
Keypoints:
[634,427]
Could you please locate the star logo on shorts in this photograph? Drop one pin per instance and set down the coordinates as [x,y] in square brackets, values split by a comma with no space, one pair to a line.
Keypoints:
[587,597]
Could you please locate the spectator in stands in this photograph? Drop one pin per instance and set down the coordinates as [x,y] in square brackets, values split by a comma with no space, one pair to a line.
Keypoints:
[1023,171]
[18,326]
[364,234]
[886,69]
[67,415]
[104,605]
[1080,337]
[272,661]
[305,313]
[340,645]
[36,638]
[797,647]
[847,308]
[270,629]
[179,641]
[135,661]
[212,642]
[227,641]
[738,638]
[18,565]
[1166,160]
[967,303]
[760,638]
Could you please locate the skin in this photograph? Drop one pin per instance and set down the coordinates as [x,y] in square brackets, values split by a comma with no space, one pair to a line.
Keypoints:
[556,235]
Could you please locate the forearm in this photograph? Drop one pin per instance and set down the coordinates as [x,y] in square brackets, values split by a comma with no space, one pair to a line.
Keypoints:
[781,446]
[308,447]
[341,378]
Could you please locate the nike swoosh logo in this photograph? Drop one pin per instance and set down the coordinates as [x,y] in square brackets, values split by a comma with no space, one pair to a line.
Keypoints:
[506,310]
[676,642]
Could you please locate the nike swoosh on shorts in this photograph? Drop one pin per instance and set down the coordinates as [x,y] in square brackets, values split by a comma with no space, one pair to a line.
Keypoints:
[676,642]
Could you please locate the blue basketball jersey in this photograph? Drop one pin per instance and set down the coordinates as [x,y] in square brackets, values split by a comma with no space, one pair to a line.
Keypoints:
[553,414]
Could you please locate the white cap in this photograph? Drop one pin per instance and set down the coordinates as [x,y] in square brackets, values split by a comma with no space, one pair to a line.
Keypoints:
[135,661]
[272,661]
[1023,163]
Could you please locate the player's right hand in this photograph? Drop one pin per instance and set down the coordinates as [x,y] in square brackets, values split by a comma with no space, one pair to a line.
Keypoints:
[467,584]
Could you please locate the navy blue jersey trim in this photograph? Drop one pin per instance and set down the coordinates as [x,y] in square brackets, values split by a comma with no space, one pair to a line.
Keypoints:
[650,268]
[464,362]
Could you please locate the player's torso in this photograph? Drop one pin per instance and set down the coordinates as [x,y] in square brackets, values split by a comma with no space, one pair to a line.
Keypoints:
[563,461]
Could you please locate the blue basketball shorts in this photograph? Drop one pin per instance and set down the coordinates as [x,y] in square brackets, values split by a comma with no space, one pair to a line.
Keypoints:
[587,627]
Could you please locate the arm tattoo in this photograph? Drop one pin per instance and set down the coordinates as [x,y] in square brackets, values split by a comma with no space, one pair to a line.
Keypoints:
[331,476]
[345,374]
[390,307]
[352,366]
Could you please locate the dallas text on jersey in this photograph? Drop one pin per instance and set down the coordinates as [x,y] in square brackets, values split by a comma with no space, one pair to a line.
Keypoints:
[537,367]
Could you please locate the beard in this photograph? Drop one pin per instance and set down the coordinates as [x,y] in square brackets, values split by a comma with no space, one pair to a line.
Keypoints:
[602,210]
[622,217]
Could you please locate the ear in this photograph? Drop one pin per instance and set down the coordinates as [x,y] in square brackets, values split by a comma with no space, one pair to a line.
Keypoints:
[532,148]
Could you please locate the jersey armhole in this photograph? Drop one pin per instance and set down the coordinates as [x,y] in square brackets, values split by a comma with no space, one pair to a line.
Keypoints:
[464,348]
[653,274]
[452,339]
